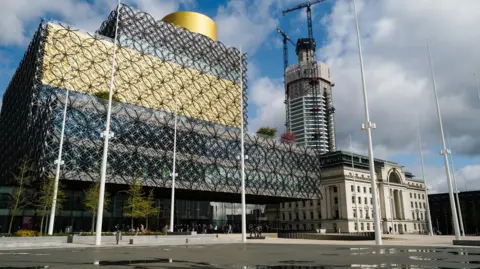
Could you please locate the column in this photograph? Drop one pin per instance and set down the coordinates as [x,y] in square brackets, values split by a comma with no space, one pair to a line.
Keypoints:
[402,208]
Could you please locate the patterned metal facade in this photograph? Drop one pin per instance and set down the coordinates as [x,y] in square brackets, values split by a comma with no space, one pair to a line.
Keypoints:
[160,69]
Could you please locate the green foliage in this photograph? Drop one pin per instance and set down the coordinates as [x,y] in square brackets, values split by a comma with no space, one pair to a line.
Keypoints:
[90,200]
[139,205]
[45,198]
[267,132]
[104,95]
[20,197]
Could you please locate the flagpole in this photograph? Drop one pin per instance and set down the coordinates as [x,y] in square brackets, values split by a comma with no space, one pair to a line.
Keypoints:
[429,217]
[368,126]
[459,208]
[106,134]
[59,160]
[444,150]
[242,157]
[172,203]
[355,187]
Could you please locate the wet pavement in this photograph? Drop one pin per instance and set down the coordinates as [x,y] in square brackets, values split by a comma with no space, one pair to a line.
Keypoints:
[244,256]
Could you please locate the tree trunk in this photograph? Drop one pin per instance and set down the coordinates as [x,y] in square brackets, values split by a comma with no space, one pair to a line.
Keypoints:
[93,223]
[132,224]
[41,224]
[11,223]
[146,223]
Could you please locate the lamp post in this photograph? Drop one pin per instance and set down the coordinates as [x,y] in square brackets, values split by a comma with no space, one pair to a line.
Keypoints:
[354,187]
[459,208]
[106,134]
[242,152]
[444,150]
[429,217]
[59,160]
[368,126]
[173,174]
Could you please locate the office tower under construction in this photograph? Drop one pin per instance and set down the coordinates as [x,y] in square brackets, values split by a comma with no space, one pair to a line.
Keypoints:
[309,107]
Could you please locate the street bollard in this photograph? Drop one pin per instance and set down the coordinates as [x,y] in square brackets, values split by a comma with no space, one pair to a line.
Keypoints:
[118,236]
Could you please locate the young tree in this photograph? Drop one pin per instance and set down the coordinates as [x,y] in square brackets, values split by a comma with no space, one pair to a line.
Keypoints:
[150,207]
[135,207]
[91,201]
[20,197]
[267,132]
[45,199]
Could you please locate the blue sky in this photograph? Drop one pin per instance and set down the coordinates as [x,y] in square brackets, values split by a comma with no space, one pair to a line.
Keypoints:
[393,36]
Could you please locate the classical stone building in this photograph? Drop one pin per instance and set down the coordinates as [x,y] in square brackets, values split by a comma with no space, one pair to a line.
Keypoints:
[346,192]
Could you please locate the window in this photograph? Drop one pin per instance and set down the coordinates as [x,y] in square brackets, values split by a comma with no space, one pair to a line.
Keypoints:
[335,189]
[304,215]
[356,226]
[283,216]
[311,202]
[415,195]
[360,200]
[352,188]
[304,227]
[319,215]
[368,226]
[416,205]
[303,203]
[423,196]
[281,205]
[413,215]
[337,214]
[355,213]
[312,227]
[353,199]
[289,204]
[421,216]
[358,189]
[311,215]
[318,202]
[370,190]
[423,205]
[366,200]
[361,214]
[296,216]
[335,200]
[371,201]
[414,226]
[411,203]
[361,226]
[290,216]
[365,189]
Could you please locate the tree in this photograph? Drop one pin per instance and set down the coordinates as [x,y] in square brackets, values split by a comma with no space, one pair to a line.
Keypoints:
[105,94]
[135,207]
[267,132]
[149,208]
[20,196]
[288,138]
[91,201]
[45,199]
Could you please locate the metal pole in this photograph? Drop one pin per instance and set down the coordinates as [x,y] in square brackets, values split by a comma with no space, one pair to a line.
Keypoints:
[172,203]
[429,217]
[476,83]
[106,134]
[459,208]
[242,157]
[391,204]
[444,150]
[59,160]
[368,127]
[355,187]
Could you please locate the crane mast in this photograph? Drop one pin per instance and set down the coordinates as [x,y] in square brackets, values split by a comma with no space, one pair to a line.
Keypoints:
[285,65]
[309,45]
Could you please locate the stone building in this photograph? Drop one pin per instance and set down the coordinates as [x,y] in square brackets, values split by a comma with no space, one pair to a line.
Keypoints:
[347,193]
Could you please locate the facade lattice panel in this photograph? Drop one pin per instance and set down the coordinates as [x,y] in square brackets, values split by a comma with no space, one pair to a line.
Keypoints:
[160,69]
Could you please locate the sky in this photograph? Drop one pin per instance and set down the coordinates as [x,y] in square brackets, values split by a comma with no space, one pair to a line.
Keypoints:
[398,78]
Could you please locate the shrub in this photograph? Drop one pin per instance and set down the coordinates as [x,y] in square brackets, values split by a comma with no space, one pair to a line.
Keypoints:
[25,233]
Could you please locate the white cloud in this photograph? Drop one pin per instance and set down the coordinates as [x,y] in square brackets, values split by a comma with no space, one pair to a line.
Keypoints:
[17,17]
[268,95]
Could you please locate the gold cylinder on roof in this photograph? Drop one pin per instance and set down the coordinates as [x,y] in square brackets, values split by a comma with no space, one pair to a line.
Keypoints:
[194,22]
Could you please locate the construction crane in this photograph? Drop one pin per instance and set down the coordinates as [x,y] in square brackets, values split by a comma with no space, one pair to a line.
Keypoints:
[314,80]
[285,65]
[285,49]
[307,5]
